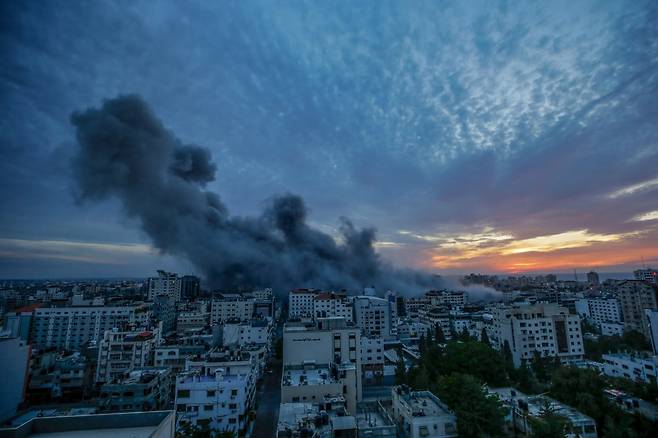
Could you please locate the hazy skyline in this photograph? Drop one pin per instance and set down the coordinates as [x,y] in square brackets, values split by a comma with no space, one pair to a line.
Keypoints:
[474,136]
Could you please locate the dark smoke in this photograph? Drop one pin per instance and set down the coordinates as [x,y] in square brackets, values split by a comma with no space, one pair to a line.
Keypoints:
[125,152]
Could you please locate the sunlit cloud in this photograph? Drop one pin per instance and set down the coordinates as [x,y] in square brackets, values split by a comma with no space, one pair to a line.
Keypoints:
[648,216]
[635,188]
[569,239]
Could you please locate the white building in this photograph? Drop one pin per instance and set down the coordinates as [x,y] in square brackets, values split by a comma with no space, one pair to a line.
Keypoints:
[612,328]
[166,283]
[372,359]
[422,414]
[330,353]
[14,363]
[259,331]
[332,305]
[548,329]
[220,400]
[120,352]
[71,327]
[630,367]
[652,321]
[301,303]
[447,297]
[228,307]
[373,316]
[191,320]
[599,310]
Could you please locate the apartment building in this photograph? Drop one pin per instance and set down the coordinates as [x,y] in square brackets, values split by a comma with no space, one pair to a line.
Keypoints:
[630,367]
[120,352]
[547,329]
[326,353]
[145,389]
[447,298]
[422,414]
[301,303]
[648,274]
[258,331]
[332,305]
[174,356]
[599,310]
[192,320]
[372,360]
[373,316]
[635,296]
[227,307]
[167,284]
[14,363]
[69,328]
[219,399]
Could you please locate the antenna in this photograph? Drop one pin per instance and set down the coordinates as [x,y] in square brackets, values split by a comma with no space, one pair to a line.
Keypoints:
[575,275]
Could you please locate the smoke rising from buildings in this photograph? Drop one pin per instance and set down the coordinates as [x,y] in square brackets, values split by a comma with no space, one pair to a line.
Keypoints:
[125,152]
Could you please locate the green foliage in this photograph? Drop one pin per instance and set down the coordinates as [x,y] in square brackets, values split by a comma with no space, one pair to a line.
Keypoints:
[400,368]
[632,340]
[474,358]
[478,414]
[439,336]
[484,337]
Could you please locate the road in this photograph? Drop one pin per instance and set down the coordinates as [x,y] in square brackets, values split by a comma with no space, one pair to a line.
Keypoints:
[269,398]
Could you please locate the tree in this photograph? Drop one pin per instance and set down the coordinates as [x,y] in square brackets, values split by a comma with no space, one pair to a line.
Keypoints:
[472,358]
[464,335]
[400,368]
[421,344]
[420,378]
[439,336]
[478,414]
[484,337]
[549,424]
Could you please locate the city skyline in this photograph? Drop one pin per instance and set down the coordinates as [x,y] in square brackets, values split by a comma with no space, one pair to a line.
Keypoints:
[474,138]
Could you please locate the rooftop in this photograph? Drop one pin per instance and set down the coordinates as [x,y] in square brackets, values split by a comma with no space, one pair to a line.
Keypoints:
[316,375]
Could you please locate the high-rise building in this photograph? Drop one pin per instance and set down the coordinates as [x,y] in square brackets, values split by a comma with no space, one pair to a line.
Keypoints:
[330,305]
[190,286]
[545,329]
[635,296]
[599,310]
[373,316]
[647,274]
[593,278]
[226,307]
[166,283]
[301,303]
[70,328]
[120,352]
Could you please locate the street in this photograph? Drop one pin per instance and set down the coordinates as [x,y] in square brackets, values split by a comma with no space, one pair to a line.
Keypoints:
[269,398]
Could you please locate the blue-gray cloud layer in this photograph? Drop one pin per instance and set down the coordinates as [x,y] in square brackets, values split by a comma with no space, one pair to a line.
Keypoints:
[433,116]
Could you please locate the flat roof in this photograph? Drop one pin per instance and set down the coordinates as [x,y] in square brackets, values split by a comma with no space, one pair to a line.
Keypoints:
[319,375]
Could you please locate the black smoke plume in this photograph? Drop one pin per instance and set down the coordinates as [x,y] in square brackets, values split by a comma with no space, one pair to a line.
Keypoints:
[125,152]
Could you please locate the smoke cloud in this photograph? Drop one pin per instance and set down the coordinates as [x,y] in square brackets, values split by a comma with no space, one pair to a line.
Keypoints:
[126,153]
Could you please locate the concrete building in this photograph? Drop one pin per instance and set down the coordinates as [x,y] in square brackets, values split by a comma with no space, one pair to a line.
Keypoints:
[167,284]
[144,389]
[332,305]
[219,399]
[301,303]
[447,298]
[174,357]
[154,424]
[635,296]
[612,328]
[648,274]
[120,352]
[192,320]
[258,331]
[373,316]
[190,286]
[14,363]
[523,408]
[330,353]
[547,329]
[652,322]
[226,307]
[599,310]
[54,375]
[164,309]
[69,328]
[593,278]
[631,367]
[18,323]
[372,360]
[422,414]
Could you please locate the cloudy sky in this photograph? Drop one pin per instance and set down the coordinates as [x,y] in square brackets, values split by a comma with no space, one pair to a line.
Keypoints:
[475,136]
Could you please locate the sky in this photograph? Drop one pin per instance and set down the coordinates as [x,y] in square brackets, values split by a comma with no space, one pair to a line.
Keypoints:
[486,136]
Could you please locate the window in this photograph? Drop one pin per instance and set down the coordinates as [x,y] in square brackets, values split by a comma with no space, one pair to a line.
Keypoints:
[183,393]
[210,393]
[207,407]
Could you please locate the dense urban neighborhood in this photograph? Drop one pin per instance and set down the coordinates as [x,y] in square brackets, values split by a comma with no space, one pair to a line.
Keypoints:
[535,356]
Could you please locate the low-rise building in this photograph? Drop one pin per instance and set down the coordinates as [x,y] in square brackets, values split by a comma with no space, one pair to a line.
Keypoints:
[226,307]
[631,367]
[421,414]
[144,389]
[218,399]
[523,408]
